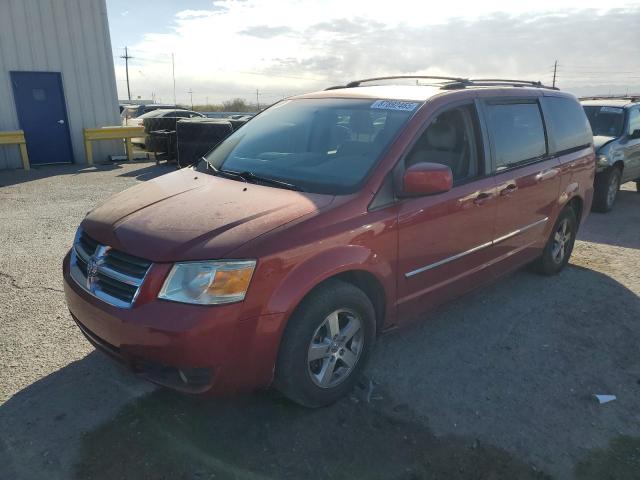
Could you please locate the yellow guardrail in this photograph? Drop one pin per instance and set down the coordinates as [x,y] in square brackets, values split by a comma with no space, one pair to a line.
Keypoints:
[111,133]
[16,137]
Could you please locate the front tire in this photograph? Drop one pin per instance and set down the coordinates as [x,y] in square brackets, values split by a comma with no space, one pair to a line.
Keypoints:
[326,345]
[558,249]
[606,189]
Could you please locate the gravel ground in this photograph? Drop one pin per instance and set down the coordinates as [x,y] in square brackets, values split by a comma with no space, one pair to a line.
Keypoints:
[498,384]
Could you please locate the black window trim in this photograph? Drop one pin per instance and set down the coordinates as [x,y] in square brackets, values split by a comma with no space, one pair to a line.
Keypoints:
[514,101]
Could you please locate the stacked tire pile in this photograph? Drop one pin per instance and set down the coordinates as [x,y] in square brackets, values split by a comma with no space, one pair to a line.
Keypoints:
[196,136]
[161,135]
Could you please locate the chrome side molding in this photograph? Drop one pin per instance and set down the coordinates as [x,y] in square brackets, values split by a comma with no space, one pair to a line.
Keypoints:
[475,249]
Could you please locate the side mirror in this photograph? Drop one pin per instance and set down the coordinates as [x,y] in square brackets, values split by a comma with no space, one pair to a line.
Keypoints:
[635,134]
[426,179]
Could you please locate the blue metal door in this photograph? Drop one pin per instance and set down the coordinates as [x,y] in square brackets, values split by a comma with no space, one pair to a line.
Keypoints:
[42,114]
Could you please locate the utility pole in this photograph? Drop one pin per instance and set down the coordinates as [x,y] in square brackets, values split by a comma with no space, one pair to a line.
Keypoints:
[126,66]
[555,69]
[190,92]
[258,99]
[173,72]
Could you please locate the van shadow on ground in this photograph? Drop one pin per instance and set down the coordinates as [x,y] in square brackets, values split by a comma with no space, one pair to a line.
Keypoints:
[515,379]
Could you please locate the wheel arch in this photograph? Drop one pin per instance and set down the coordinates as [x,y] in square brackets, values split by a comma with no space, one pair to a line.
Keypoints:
[577,204]
[356,265]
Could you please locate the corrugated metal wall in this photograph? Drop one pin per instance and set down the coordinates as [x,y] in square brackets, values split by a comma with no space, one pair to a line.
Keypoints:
[67,36]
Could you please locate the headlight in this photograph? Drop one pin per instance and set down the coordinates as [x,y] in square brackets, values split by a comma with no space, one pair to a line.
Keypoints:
[602,161]
[208,283]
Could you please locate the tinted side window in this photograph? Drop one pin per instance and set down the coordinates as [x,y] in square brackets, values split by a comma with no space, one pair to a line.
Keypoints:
[517,133]
[570,126]
[634,120]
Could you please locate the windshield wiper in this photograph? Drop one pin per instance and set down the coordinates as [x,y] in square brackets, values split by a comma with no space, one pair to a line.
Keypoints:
[251,177]
[271,181]
[224,173]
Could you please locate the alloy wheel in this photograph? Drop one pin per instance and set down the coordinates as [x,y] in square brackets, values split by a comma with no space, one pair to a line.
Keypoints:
[613,187]
[335,348]
[561,241]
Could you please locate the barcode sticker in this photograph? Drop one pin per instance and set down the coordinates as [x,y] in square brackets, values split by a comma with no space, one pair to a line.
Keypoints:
[395,105]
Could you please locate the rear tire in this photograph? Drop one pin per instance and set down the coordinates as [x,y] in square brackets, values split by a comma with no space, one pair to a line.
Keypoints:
[326,345]
[558,249]
[606,188]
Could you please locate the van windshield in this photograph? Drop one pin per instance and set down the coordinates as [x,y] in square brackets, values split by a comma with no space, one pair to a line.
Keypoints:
[318,145]
[605,121]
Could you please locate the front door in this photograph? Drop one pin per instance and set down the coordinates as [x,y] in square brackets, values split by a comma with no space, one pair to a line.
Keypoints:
[445,240]
[42,114]
[631,146]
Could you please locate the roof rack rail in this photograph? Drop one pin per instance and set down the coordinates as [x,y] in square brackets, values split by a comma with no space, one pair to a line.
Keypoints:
[450,83]
[631,98]
[504,81]
[356,83]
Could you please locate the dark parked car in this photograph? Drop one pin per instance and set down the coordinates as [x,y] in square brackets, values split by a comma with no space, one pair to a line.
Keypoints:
[129,112]
[615,123]
[327,219]
[174,113]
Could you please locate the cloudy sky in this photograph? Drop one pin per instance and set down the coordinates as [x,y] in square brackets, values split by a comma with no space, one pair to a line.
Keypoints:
[231,48]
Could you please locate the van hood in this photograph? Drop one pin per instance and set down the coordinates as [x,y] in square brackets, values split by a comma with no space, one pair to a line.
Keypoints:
[600,141]
[188,215]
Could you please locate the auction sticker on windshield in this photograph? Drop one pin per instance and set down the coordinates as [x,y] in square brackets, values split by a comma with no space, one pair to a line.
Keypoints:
[610,110]
[394,105]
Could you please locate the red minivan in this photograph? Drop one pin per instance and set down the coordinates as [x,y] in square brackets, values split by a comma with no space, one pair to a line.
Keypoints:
[327,219]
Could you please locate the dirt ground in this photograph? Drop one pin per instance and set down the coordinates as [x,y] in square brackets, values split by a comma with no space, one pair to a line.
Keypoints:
[497,385]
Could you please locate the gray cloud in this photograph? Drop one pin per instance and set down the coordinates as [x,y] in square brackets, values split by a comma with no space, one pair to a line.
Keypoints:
[265,31]
[586,44]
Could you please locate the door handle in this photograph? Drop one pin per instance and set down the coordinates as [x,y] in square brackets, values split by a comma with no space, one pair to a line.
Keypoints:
[508,190]
[61,122]
[482,198]
[547,174]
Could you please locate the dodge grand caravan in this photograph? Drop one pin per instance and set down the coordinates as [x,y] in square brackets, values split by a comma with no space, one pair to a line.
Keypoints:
[329,218]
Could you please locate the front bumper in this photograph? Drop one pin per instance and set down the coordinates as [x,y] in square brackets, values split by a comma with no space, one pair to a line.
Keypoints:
[191,348]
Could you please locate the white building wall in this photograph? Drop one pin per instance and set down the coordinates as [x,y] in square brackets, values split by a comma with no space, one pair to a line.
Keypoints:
[67,36]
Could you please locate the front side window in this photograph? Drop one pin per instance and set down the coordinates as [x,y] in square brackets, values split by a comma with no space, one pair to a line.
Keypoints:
[570,125]
[319,145]
[634,120]
[605,121]
[451,139]
[517,132]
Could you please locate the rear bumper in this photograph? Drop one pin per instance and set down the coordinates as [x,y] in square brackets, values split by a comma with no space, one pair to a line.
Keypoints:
[190,348]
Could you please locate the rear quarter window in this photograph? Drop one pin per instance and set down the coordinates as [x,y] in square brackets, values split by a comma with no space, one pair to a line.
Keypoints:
[569,126]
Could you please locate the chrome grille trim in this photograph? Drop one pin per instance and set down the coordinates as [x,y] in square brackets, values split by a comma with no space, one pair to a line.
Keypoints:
[92,272]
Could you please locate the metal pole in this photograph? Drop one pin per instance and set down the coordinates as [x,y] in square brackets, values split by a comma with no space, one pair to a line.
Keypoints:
[190,92]
[126,66]
[258,99]
[173,72]
[555,69]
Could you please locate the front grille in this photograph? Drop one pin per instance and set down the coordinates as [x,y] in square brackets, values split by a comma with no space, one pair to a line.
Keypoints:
[110,275]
